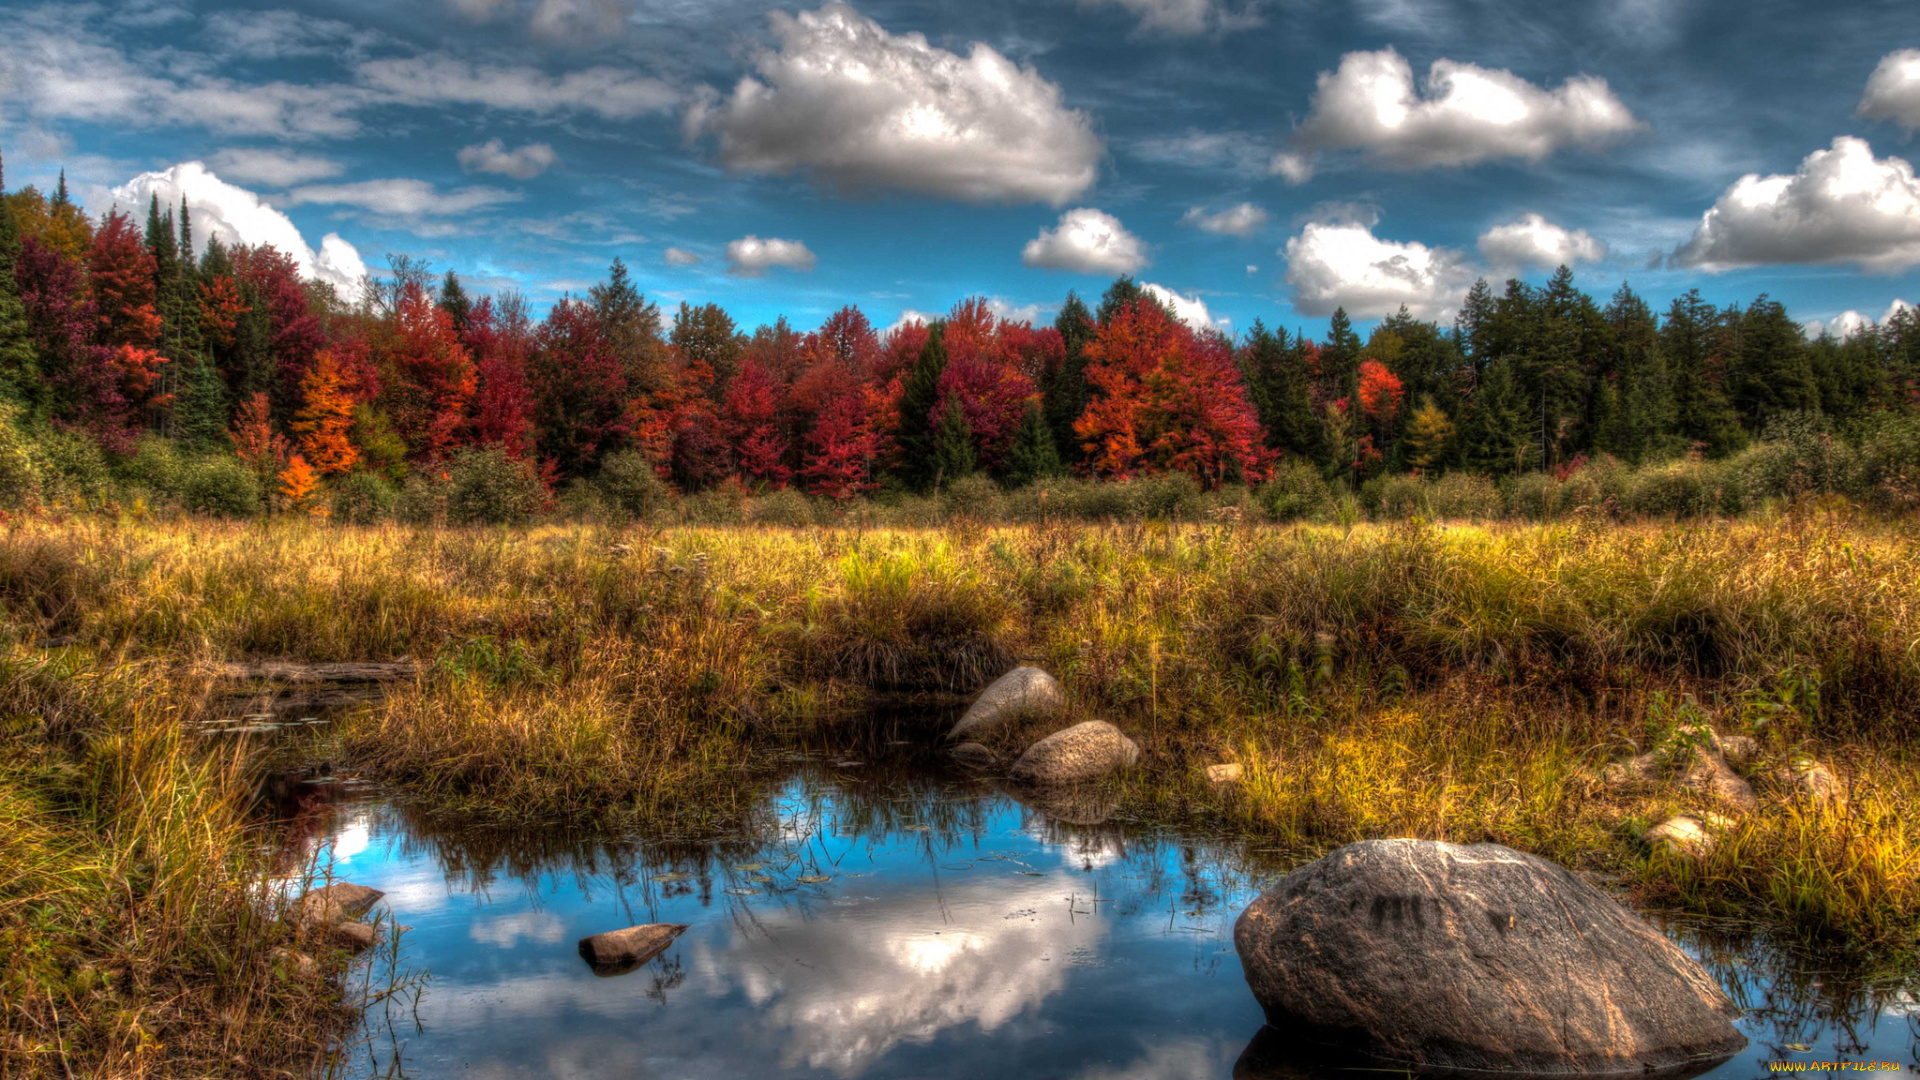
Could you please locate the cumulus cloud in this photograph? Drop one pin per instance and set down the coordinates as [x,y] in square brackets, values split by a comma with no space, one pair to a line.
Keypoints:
[1243,220]
[910,317]
[522,163]
[1086,241]
[1340,263]
[1849,323]
[751,256]
[1188,309]
[237,216]
[434,79]
[674,256]
[860,108]
[400,197]
[1007,311]
[1186,17]
[1842,206]
[1893,90]
[1535,241]
[1462,114]
[273,168]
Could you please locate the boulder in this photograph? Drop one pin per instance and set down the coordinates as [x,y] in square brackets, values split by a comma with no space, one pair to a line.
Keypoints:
[1022,692]
[1437,955]
[1082,752]
[1634,770]
[617,952]
[1811,782]
[974,756]
[1741,751]
[1224,774]
[297,965]
[338,902]
[352,935]
[1709,774]
[1685,836]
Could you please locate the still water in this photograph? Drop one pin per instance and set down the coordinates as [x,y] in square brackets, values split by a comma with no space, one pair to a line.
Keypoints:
[890,922]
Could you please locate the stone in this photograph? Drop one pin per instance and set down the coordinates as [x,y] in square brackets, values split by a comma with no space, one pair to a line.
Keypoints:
[337,902]
[617,952]
[352,935]
[1741,751]
[1082,752]
[1078,805]
[975,756]
[296,964]
[1022,692]
[1811,782]
[1634,770]
[1709,774]
[1686,836]
[1429,954]
[1224,774]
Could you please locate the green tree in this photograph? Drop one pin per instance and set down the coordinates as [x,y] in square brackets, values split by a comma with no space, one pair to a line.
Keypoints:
[1340,359]
[1644,418]
[914,435]
[1276,375]
[953,456]
[1495,436]
[456,303]
[1063,391]
[632,327]
[1429,430]
[20,379]
[1771,372]
[1033,455]
[706,335]
[1695,345]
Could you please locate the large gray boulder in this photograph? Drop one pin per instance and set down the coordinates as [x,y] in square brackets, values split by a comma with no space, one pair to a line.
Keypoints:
[1022,692]
[1452,957]
[1082,752]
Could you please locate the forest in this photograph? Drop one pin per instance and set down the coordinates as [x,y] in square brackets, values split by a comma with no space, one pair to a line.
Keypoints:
[136,358]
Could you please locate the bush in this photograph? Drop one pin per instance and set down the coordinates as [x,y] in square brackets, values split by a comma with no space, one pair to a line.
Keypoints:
[420,502]
[221,485]
[1886,472]
[486,487]
[19,472]
[1297,492]
[1396,498]
[154,469]
[1684,489]
[628,482]
[786,507]
[975,496]
[720,506]
[71,468]
[362,498]
[1463,496]
[1599,486]
[1533,496]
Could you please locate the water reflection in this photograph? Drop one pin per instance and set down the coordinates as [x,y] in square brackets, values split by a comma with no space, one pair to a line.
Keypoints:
[876,923]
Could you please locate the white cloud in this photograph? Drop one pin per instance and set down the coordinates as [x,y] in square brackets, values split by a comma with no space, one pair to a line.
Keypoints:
[433,79]
[523,163]
[238,216]
[1463,114]
[1334,264]
[277,35]
[581,21]
[674,256]
[1086,241]
[401,197]
[273,168]
[1252,269]
[1842,206]
[1007,311]
[1234,150]
[751,256]
[1187,17]
[910,317]
[1243,220]
[481,10]
[1188,309]
[1535,241]
[860,108]
[1849,323]
[1893,90]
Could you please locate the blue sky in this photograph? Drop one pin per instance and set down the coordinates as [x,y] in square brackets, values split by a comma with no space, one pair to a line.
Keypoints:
[1258,159]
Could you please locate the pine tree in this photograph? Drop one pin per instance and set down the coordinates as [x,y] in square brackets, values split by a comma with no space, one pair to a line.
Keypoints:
[914,435]
[455,302]
[20,377]
[1340,359]
[1276,375]
[1033,455]
[200,403]
[1064,393]
[1496,430]
[631,326]
[1644,416]
[1695,350]
[952,452]
[1428,432]
[1771,373]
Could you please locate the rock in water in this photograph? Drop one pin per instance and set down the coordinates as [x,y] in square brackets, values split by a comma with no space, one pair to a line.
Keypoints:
[1024,691]
[1453,957]
[974,756]
[617,952]
[337,902]
[1086,751]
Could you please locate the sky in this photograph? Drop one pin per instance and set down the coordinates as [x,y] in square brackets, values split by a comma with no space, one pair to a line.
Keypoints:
[1246,159]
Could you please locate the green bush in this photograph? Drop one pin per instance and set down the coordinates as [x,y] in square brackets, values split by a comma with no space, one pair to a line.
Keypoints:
[1684,489]
[1885,474]
[1396,497]
[363,498]
[486,487]
[1463,496]
[221,485]
[628,482]
[1533,496]
[72,469]
[786,507]
[420,502]
[154,470]
[974,496]
[19,472]
[1297,492]
[716,506]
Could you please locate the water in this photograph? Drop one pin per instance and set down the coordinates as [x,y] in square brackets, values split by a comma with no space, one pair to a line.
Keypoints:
[880,923]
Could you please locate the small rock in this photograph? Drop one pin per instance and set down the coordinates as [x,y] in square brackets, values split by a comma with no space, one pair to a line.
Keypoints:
[1082,752]
[337,902]
[617,952]
[297,964]
[1685,836]
[1740,751]
[352,935]
[1812,782]
[975,756]
[1224,774]
[1024,691]
[1709,774]
[1634,770]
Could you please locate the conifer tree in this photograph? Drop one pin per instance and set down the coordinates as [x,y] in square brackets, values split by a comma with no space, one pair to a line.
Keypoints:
[1033,455]
[952,457]
[20,377]
[914,435]
[200,403]
[1064,393]
[455,302]
[1340,359]
[1496,433]
[1428,432]
[1276,375]
[631,326]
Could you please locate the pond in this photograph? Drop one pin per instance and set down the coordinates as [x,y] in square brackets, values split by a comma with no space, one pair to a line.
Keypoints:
[892,922]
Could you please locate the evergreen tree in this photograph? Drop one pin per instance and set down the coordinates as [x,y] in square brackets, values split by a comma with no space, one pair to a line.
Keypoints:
[1771,373]
[706,335]
[631,326]
[1123,292]
[200,404]
[953,456]
[914,438]
[1643,416]
[20,377]
[1276,376]
[1033,455]
[1693,345]
[1340,359]
[455,302]
[1064,394]
[1428,431]
[1496,436]
[1474,323]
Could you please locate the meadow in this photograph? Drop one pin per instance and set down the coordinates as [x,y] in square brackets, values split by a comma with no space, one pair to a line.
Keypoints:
[1455,680]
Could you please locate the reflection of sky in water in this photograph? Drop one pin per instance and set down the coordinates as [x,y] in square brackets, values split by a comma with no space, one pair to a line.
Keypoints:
[983,940]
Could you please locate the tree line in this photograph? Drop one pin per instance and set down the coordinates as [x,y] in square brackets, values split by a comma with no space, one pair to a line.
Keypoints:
[121,331]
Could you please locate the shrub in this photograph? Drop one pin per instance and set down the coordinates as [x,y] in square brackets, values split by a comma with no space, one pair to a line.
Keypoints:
[1463,496]
[19,473]
[1532,495]
[628,482]
[221,485]
[154,468]
[787,507]
[720,506]
[362,498]
[975,496]
[71,468]
[1296,492]
[1683,489]
[1885,474]
[486,487]
[1396,497]
[420,502]
[1599,486]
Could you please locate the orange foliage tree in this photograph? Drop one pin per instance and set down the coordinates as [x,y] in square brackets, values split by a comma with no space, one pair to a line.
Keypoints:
[326,415]
[298,482]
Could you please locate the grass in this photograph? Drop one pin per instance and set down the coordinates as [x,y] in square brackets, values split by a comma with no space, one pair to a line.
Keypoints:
[1430,680]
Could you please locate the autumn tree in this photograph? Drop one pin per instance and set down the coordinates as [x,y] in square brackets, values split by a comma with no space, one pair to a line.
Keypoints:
[256,443]
[325,418]
[429,376]
[298,483]
[1428,432]
[501,335]
[842,449]
[579,389]
[750,410]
